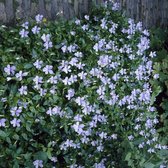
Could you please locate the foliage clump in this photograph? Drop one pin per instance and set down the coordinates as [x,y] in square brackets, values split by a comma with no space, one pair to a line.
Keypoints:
[77,94]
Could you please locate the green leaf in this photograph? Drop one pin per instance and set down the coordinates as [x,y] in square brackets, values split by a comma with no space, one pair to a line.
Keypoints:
[3,134]
[28,66]
[25,136]
[128,156]
[149,165]
[34,53]
[154,94]
[41,156]
[163,153]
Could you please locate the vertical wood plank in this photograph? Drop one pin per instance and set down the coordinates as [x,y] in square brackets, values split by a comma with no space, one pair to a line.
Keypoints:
[26,6]
[41,7]
[9,10]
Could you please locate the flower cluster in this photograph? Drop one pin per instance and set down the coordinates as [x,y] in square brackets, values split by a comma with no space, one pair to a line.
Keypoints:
[83,95]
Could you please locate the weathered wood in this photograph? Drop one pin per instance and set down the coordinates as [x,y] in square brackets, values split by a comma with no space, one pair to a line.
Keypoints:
[153,13]
[9,10]
[150,12]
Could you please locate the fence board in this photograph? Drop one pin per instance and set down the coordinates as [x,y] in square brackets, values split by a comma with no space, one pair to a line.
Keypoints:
[150,12]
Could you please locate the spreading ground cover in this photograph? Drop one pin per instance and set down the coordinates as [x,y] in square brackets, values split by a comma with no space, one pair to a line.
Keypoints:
[80,93]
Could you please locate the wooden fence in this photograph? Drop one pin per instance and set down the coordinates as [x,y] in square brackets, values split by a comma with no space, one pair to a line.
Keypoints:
[150,12]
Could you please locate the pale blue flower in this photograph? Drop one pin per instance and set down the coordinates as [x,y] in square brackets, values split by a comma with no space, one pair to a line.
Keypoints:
[24,33]
[46,38]
[86,17]
[10,69]
[49,111]
[71,93]
[64,48]
[85,27]
[36,29]
[54,159]
[2,122]
[38,64]
[103,135]
[23,90]
[47,42]
[4,99]
[104,60]
[38,163]
[78,54]
[39,18]
[20,75]
[66,81]
[57,110]
[53,79]
[38,80]
[80,65]
[77,22]
[78,127]
[116,6]
[82,75]
[25,25]
[15,111]
[43,92]
[48,45]
[15,122]
[48,69]
[78,117]
[80,101]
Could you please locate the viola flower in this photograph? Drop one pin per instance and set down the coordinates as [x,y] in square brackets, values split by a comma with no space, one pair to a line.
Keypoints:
[23,90]
[78,54]
[39,18]
[48,69]
[15,122]
[54,159]
[38,80]
[48,45]
[71,48]
[116,6]
[15,111]
[78,117]
[73,78]
[53,79]
[25,25]
[64,49]
[103,135]
[20,75]
[10,69]
[82,75]
[77,22]
[38,163]
[23,33]
[71,93]
[104,60]
[73,33]
[36,30]
[78,128]
[2,122]
[80,65]
[86,17]
[47,42]
[43,92]
[3,99]
[66,81]
[85,27]
[49,111]
[46,37]
[38,64]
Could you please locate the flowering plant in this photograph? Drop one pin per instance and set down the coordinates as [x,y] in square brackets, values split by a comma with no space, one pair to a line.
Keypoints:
[77,94]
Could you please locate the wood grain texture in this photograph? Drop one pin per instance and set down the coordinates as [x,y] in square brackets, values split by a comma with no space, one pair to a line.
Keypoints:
[150,12]
[153,13]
